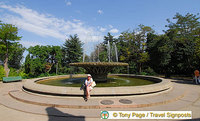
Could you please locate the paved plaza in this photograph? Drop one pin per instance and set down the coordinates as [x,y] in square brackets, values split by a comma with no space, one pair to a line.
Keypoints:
[19,105]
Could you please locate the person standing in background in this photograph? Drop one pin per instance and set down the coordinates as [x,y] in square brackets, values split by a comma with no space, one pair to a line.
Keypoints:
[196,74]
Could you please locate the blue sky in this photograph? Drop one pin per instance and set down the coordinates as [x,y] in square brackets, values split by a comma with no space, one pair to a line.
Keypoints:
[50,22]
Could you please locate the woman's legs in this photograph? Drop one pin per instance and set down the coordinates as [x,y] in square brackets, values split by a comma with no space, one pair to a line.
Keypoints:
[87,92]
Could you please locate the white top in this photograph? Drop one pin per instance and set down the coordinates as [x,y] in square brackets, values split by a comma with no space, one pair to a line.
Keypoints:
[88,82]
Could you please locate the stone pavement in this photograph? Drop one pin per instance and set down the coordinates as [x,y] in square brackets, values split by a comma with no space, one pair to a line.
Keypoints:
[18,105]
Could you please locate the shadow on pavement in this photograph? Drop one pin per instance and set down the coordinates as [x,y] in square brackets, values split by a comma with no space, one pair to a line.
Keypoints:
[195,119]
[183,81]
[56,115]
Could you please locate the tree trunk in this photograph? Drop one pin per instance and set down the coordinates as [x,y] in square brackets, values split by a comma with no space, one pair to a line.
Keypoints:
[167,73]
[56,68]
[7,70]
[140,67]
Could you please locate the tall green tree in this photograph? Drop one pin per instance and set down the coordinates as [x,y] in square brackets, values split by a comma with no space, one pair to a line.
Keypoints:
[132,46]
[109,38]
[184,32]
[72,50]
[16,55]
[43,59]
[141,39]
[8,36]
[160,48]
[176,51]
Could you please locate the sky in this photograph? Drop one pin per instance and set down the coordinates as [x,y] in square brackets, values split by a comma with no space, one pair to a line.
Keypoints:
[51,22]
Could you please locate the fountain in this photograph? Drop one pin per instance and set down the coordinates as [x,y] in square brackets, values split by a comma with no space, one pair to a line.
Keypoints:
[108,51]
[98,70]
[115,50]
[116,84]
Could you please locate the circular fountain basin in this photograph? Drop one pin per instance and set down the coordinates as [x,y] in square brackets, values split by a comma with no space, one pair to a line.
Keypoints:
[162,85]
[112,81]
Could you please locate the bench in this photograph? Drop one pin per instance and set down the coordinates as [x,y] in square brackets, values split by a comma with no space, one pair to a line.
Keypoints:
[12,79]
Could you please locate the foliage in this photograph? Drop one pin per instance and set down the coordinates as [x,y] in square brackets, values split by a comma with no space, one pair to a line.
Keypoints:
[175,51]
[23,75]
[8,36]
[149,71]
[40,57]
[16,51]
[2,73]
[159,49]
[51,60]
[132,46]
[72,50]
[14,72]
[16,55]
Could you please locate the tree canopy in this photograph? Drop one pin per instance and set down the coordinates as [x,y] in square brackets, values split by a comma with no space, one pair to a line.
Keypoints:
[8,37]
[72,50]
[178,47]
[176,51]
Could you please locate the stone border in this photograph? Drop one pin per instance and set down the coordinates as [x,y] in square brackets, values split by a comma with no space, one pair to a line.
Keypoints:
[100,106]
[163,85]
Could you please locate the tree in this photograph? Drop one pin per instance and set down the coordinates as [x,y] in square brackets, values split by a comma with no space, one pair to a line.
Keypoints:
[56,58]
[108,47]
[132,46]
[100,53]
[160,48]
[176,51]
[141,39]
[72,50]
[109,38]
[8,36]
[16,55]
[184,32]
[43,59]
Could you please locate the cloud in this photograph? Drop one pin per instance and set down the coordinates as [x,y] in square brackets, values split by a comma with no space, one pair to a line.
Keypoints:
[110,26]
[114,31]
[76,20]
[68,3]
[102,29]
[100,12]
[27,44]
[47,25]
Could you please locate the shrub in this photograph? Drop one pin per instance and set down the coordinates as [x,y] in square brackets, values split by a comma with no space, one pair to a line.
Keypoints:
[150,71]
[13,72]
[23,75]
[2,73]
[142,73]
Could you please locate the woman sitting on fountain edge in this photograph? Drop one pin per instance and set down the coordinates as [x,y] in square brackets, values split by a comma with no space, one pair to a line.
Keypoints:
[88,86]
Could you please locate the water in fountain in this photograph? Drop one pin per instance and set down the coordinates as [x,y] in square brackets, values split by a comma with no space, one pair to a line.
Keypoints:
[108,51]
[98,54]
[84,56]
[112,52]
[71,72]
[99,70]
[115,51]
